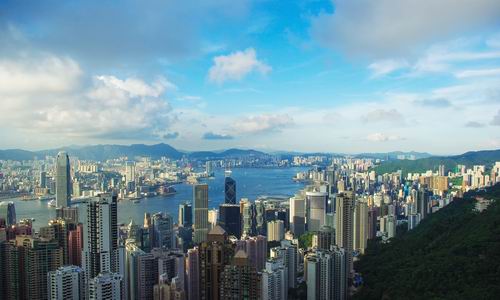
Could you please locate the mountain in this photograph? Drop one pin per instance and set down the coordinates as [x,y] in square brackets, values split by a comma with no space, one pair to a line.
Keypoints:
[394,155]
[486,157]
[230,153]
[16,154]
[452,254]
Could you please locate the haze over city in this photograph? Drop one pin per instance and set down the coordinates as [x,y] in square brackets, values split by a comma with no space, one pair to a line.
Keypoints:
[341,76]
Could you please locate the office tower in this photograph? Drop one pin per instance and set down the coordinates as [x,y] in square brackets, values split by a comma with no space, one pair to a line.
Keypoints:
[274,281]
[75,245]
[70,214]
[171,263]
[413,220]
[130,172]
[105,286]
[260,217]
[66,283]
[209,168]
[298,214]
[38,257]
[240,279]
[325,238]
[167,289]
[193,274]
[141,272]
[7,213]
[200,194]
[213,215]
[256,249]
[215,254]
[229,190]
[326,275]
[275,231]
[63,180]
[344,225]
[316,210]
[330,178]
[10,271]
[185,215]
[100,235]
[360,225]
[423,202]
[288,254]
[163,231]
[42,181]
[58,230]
[248,219]
[372,222]
[390,226]
[230,219]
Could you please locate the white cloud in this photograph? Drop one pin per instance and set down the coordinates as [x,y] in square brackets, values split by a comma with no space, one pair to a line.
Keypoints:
[478,73]
[386,66]
[236,65]
[262,123]
[386,28]
[383,115]
[380,137]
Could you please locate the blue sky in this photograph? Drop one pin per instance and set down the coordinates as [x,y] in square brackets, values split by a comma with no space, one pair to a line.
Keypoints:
[337,76]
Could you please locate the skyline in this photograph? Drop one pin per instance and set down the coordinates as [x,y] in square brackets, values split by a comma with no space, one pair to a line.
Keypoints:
[252,74]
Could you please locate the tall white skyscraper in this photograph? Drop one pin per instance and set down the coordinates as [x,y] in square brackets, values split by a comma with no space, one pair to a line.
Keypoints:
[274,281]
[106,286]
[129,171]
[200,195]
[288,254]
[326,275]
[67,283]
[63,180]
[100,235]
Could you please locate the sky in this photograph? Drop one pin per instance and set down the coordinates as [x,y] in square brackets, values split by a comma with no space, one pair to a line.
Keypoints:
[345,76]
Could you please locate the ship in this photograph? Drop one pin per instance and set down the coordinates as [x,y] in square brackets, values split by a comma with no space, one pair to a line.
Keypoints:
[167,190]
[52,203]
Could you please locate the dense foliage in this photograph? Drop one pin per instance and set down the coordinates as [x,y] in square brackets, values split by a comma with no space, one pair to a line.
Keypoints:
[452,254]
[431,163]
[305,240]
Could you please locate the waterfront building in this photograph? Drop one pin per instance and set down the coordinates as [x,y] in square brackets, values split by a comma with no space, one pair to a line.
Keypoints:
[63,180]
[200,194]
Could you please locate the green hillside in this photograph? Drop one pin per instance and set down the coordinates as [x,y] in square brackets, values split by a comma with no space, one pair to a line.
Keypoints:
[431,163]
[453,254]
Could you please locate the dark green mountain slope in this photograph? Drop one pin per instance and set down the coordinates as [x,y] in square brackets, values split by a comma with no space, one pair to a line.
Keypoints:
[453,254]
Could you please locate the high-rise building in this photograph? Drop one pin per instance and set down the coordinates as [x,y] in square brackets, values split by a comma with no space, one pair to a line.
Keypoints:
[185,214]
[344,225]
[10,271]
[163,232]
[200,195]
[193,274]
[229,190]
[214,255]
[130,172]
[360,225]
[70,214]
[58,230]
[274,281]
[240,280]
[288,254]
[326,275]
[325,238]
[260,217]
[298,214]
[213,216]
[100,235]
[38,258]
[275,230]
[316,210]
[42,181]
[66,283]
[63,180]
[105,286]
[230,219]
[167,289]
[75,245]
[7,213]
[248,217]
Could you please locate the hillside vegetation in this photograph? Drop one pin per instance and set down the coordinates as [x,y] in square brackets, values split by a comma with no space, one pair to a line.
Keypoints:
[452,254]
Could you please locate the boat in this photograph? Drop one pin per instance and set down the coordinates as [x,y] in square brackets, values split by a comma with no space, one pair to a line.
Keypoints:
[52,203]
[167,190]
[136,201]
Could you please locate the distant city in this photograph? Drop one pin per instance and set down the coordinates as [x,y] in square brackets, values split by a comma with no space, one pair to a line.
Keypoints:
[276,247]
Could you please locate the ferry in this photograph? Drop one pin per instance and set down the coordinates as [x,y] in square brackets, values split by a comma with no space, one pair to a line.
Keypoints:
[167,190]
[52,203]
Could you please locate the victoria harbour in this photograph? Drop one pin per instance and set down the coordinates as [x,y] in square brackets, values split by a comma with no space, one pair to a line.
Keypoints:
[252,183]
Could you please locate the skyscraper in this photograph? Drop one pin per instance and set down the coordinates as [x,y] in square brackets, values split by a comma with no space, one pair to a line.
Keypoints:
[298,214]
[215,254]
[8,213]
[360,225]
[326,275]
[105,286]
[63,180]
[66,283]
[344,225]
[260,217]
[287,253]
[229,190]
[256,249]
[316,210]
[185,214]
[163,231]
[10,274]
[75,245]
[275,230]
[200,195]
[274,281]
[100,250]
[193,274]
[230,219]
[239,279]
